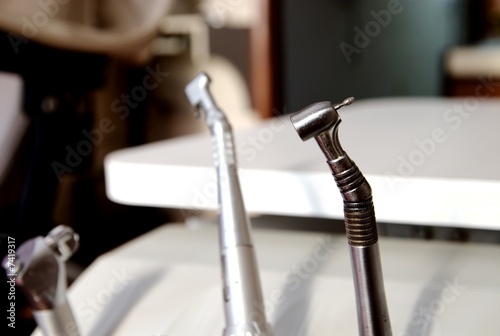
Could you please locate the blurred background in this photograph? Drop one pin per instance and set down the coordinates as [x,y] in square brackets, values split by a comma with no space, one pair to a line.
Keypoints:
[80,79]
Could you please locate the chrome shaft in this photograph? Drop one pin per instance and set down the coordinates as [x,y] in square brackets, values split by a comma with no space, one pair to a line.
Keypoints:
[243,301]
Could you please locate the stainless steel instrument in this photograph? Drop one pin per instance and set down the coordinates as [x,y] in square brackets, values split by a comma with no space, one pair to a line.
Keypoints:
[243,302]
[321,121]
[41,274]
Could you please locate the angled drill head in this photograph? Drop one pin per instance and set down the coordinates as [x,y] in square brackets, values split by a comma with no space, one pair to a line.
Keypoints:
[320,121]
[317,118]
[199,96]
[314,120]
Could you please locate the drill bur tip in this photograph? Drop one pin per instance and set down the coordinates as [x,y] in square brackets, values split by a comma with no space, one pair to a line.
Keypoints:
[347,101]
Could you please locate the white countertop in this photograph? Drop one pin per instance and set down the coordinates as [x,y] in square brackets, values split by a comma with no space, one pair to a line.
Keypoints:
[430,161]
[168,282]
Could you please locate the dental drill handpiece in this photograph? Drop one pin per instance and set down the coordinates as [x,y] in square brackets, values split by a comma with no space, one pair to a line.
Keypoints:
[40,272]
[243,301]
[321,121]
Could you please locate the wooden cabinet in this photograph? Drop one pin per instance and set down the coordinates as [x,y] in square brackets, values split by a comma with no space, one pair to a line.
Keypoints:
[472,71]
[485,87]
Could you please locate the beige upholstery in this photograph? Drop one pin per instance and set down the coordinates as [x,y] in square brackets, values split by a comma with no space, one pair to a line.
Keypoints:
[120,28]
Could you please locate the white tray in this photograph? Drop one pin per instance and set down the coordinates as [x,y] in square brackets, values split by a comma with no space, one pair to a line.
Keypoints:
[430,161]
[168,283]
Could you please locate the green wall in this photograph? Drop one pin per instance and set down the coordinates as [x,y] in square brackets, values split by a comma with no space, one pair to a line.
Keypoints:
[324,55]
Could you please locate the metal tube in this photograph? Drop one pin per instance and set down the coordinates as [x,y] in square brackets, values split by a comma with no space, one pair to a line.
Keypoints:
[373,317]
[243,301]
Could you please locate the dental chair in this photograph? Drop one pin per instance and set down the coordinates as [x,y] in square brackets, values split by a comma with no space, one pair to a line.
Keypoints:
[61,51]
[55,55]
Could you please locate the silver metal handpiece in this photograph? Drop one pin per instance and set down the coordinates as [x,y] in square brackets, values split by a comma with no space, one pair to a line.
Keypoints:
[321,121]
[243,302]
[40,272]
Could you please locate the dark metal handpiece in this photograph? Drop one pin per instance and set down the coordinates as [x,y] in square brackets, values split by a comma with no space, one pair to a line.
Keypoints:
[321,121]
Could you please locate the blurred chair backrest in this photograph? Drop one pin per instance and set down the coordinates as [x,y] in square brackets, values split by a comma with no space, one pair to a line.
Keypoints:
[118,28]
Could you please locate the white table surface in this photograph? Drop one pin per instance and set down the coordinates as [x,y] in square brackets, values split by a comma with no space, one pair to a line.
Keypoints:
[168,282]
[454,181]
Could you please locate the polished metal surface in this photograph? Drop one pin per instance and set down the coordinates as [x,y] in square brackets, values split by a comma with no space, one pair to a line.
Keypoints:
[321,121]
[41,274]
[243,301]
[373,315]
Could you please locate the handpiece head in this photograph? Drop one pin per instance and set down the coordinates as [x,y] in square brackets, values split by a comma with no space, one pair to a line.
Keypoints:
[63,241]
[199,95]
[39,266]
[317,118]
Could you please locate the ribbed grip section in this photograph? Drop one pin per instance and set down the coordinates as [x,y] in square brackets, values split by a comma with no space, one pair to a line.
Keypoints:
[349,180]
[222,145]
[359,213]
[360,223]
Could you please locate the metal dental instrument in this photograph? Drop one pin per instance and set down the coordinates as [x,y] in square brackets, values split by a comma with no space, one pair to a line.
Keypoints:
[321,121]
[243,301]
[40,272]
